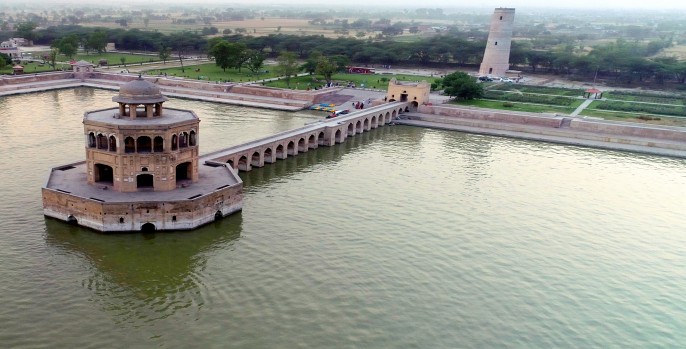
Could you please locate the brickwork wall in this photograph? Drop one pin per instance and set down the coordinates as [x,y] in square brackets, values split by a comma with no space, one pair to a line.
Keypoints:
[174,215]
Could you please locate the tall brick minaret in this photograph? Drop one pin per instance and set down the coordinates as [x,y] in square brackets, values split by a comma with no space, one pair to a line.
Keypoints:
[497,54]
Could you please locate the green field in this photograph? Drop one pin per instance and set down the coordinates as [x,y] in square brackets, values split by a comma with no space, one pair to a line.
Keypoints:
[33,67]
[373,81]
[514,106]
[558,91]
[211,72]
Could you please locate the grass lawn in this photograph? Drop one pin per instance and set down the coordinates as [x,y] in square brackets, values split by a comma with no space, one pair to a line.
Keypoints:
[558,91]
[33,67]
[114,58]
[525,107]
[211,72]
[375,81]
[672,98]
[634,117]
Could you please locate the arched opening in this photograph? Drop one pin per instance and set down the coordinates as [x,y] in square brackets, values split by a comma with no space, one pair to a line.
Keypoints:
[103,174]
[415,105]
[158,144]
[358,127]
[102,141]
[269,156]
[403,97]
[351,130]
[365,125]
[338,137]
[218,215]
[320,138]
[183,140]
[243,163]
[113,143]
[143,144]
[312,142]
[279,152]
[144,181]
[192,139]
[148,227]
[255,159]
[175,142]
[184,172]
[391,100]
[91,140]
[72,220]
[374,124]
[290,149]
[393,114]
[230,162]
[302,147]
[129,145]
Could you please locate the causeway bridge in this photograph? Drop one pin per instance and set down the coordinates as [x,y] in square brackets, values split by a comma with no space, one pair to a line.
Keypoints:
[267,150]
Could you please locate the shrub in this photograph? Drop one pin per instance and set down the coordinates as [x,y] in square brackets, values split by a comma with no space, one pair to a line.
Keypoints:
[508,105]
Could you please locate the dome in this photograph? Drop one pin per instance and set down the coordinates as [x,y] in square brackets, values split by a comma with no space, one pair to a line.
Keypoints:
[139,91]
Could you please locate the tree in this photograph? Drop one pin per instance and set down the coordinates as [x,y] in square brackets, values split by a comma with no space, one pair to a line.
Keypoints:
[287,66]
[461,86]
[122,59]
[25,30]
[326,68]
[97,41]
[67,45]
[255,61]
[228,55]
[310,65]
[164,53]
[5,60]
[52,58]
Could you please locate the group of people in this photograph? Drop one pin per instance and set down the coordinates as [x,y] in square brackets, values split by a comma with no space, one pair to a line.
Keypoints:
[360,104]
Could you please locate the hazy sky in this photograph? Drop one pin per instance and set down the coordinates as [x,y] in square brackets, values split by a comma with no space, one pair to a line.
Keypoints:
[585,4]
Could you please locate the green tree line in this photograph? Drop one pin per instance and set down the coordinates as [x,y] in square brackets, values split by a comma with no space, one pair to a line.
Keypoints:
[623,61]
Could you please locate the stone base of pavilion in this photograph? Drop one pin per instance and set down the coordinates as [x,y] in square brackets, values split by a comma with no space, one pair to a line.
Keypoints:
[66,197]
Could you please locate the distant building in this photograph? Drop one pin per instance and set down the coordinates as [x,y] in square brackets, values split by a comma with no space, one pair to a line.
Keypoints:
[497,54]
[404,91]
[110,47]
[360,70]
[10,48]
[20,42]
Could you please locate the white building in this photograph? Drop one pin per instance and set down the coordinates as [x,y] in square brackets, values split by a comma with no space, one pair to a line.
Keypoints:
[10,48]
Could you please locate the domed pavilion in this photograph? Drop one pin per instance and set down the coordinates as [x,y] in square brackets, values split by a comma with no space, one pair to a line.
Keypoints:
[144,158]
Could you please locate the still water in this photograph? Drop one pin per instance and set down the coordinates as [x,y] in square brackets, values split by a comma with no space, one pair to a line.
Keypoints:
[399,238]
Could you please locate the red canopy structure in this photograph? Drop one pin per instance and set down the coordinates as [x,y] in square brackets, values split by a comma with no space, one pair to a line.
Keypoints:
[597,94]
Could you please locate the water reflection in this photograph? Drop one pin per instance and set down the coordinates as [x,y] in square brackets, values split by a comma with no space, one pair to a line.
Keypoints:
[145,276]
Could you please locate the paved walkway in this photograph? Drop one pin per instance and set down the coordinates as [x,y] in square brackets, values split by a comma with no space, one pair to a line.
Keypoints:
[583,106]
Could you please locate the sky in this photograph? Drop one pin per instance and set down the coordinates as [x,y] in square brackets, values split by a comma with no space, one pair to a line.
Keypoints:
[582,4]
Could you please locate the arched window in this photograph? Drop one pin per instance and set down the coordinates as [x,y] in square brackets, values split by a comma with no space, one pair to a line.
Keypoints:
[102,141]
[158,144]
[183,140]
[191,139]
[129,145]
[143,144]
[91,140]
[175,143]
[113,143]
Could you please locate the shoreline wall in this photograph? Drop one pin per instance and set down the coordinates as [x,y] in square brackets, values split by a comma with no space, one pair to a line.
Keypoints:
[561,129]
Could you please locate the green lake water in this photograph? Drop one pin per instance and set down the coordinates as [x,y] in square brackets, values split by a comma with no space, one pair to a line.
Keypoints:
[399,238]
